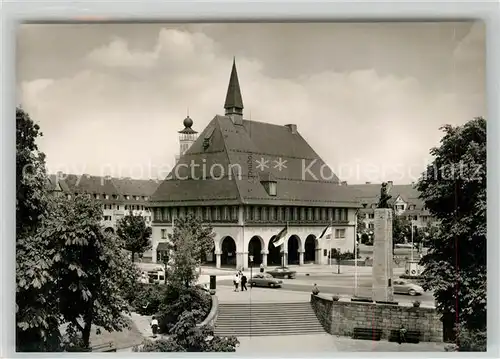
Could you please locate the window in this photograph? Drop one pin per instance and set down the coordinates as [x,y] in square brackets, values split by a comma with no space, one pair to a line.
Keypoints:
[371,215]
[117,207]
[166,214]
[339,233]
[126,207]
[248,214]
[264,214]
[208,214]
[127,196]
[324,214]
[371,226]
[225,213]
[257,213]
[317,215]
[96,196]
[182,212]
[330,214]
[115,196]
[199,213]
[287,214]
[280,213]
[107,218]
[272,213]
[309,214]
[105,196]
[163,234]
[302,214]
[234,213]
[272,188]
[344,212]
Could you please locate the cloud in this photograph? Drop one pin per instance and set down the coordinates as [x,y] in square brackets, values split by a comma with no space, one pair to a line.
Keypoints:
[123,110]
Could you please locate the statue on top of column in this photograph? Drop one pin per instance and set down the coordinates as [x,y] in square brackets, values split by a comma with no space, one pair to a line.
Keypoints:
[384,197]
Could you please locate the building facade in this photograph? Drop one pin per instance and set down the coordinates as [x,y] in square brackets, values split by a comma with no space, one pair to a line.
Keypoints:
[249,180]
[404,199]
[118,196]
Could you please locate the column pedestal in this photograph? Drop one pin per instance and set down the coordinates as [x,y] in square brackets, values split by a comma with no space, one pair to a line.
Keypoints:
[382,272]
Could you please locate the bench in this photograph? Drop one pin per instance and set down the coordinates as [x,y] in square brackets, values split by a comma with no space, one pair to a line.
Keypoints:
[367,333]
[104,347]
[411,336]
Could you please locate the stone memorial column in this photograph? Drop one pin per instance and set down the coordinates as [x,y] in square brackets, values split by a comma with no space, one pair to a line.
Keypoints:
[382,272]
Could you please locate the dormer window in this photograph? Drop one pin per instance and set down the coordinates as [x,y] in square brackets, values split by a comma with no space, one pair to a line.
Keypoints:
[207,138]
[127,197]
[269,183]
[272,188]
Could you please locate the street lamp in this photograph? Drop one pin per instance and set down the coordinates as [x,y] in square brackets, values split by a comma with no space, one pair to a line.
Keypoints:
[251,268]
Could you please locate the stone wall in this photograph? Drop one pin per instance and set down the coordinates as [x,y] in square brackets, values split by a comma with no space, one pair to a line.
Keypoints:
[341,317]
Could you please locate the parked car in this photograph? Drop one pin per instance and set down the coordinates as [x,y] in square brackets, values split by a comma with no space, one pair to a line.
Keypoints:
[404,287]
[282,272]
[405,245]
[265,280]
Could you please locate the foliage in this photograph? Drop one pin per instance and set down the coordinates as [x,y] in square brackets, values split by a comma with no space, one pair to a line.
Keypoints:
[454,191]
[401,229]
[471,340]
[360,224]
[201,235]
[36,308]
[341,256]
[148,298]
[31,177]
[91,270]
[178,299]
[135,233]
[185,336]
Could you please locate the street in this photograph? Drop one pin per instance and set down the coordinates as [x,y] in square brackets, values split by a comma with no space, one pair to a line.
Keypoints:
[342,285]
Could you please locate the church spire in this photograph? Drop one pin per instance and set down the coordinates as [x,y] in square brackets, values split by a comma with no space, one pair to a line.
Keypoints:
[234,102]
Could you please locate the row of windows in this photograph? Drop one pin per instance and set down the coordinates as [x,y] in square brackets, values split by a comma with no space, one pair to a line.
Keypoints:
[133,207]
[109,218]
[223,213]
[254,213]
[115,196]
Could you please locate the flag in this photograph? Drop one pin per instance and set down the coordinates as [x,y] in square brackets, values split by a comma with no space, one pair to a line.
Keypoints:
[280,238]
[323,233]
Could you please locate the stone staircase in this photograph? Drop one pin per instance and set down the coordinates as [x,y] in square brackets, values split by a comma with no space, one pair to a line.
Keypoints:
[265,319]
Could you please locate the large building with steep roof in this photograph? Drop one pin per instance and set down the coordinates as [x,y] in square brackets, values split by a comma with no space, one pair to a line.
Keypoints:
[249,180]
[118,196]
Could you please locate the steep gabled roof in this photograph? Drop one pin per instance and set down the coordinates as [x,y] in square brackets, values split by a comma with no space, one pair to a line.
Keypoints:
[370,193]
[134,187]
[228,159]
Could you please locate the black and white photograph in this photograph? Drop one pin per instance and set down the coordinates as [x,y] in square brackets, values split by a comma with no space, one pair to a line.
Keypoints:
[254,188]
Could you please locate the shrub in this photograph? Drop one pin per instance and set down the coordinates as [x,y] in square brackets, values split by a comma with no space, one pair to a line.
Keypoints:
[179,299]
[335,298]
[148,298]
[416,303]
[471,340]
[185,336]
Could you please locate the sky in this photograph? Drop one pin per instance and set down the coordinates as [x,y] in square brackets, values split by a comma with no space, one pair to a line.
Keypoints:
[368,97]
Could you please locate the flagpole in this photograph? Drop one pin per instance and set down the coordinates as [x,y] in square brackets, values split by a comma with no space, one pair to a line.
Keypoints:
[330,244]
[356,255]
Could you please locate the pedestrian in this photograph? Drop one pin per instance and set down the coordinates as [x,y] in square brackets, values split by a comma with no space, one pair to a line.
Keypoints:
[402,334]
[243,282]
[154,326]
[262,267]
[315,289]
[236,281]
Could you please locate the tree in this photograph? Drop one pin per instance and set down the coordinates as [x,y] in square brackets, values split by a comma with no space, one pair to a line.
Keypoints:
[135,233]
[189,243]
[37,316]
[91,269]
[401,230]
[454,191]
